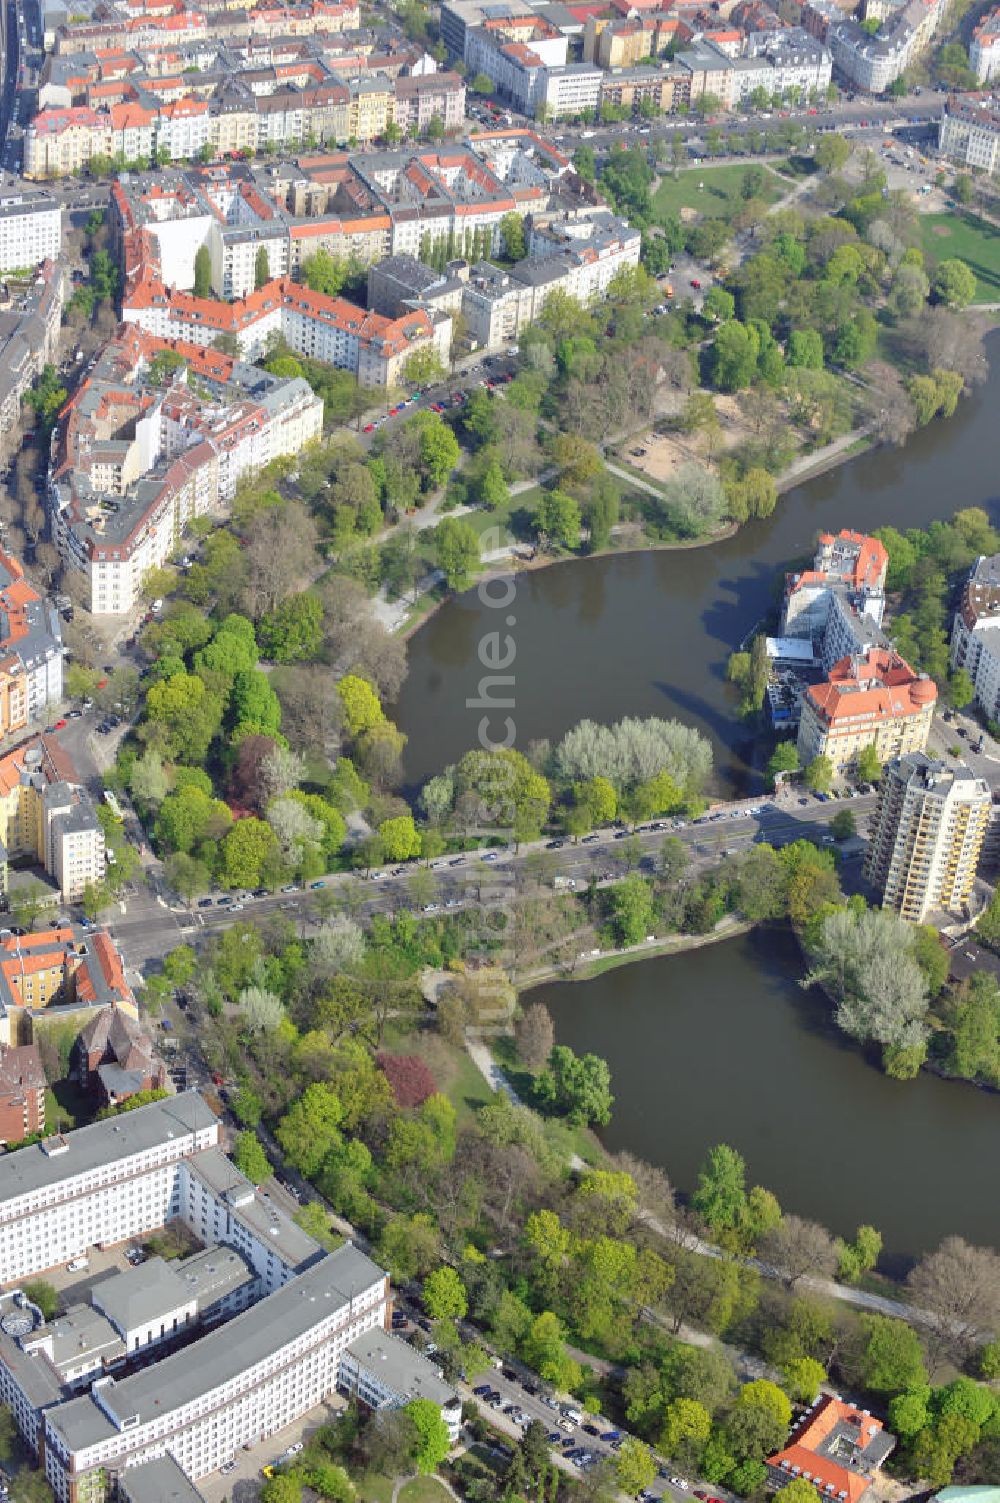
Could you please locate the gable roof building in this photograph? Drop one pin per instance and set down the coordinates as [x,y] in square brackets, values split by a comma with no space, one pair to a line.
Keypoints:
[837,1447]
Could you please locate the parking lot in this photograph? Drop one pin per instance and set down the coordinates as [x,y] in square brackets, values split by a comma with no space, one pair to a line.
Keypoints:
[268,1452]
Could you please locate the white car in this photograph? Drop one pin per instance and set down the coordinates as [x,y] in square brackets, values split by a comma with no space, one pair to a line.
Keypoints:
[78,1265]
[294,1449]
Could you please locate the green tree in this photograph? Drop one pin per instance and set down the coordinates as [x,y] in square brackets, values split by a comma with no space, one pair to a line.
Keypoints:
[444,1295]
[577,1086]
[544,1349]
[557,519]
[954,284]
[492,489]
[202,272]
[961,691]
[832,152]
[804,1377]
[891,1357]
[456,544]
[293,631]
[360,703]
[819,775]
[860,1256]
[310,1129]
[869,766]
[843,824]
[285,1487]
[245,851]
[400,838]
[720,1197]
[261,269]
[432,1444]
[784,758]
[633,913]
[424,367]
[43,1295]
[732,358]
[635,1468]
[512,230]
[250,1158]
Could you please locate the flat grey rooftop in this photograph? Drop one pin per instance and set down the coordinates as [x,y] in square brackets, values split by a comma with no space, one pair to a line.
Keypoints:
[141,1296]
[402,1369]
[231,1349]
[102,1143]
[255,1210]
[159,1481]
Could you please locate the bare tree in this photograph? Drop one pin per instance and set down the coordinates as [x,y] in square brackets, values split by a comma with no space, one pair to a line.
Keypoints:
[280,555]
[892,415]
[310,710]
[534,1036]
[959,1287]
[798,1248]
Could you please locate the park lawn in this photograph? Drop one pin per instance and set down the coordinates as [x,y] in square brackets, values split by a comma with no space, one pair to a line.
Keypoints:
[455,1074]
[374,1488]
[708,190]
[972,240]
[482,521]
[424,1490]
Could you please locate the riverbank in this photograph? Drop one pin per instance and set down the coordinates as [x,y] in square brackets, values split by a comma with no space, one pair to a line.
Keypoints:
[611,960]
[849,446]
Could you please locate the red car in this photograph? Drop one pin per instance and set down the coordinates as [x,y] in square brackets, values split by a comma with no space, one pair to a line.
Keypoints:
[394,410]
[216,1078]
[695,282]
[61,725]
[368,428]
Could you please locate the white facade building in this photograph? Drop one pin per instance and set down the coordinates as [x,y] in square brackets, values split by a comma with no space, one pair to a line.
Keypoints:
[975,634]
[984,49]
[970,132]
[30,230]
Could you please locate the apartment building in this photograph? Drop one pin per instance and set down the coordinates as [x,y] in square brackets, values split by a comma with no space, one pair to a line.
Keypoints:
[118,505]
[366,206]
[984,49]
[975,634]
[113,1058]
[31,650]
[30,230]
[838,604]
[22,1092]
[383,1373]
[873,63]
[47,816]
[238,1384]
[236,108]
[100,1184]
[30,319]
[839,1447]
[570,89]
[927,833]
[579,256]
[251,1332]
[58,975]
[875,700]
[969,134]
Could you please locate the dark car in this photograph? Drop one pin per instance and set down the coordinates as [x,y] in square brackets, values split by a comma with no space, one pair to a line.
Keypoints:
[481,1390]
[509,1374]
[205,902]
[591,1430]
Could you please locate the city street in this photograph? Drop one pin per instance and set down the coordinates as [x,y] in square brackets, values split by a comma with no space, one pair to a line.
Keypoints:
[145,927]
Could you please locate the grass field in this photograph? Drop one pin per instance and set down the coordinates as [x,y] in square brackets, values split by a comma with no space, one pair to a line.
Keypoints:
[374,1488]
[973,241]
[424,1490]
[709,190]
